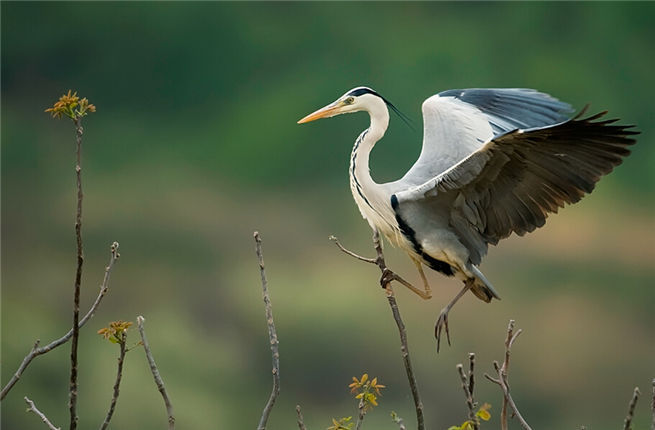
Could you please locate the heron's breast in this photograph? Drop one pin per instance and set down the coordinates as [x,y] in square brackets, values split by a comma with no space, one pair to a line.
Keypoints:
[378,215]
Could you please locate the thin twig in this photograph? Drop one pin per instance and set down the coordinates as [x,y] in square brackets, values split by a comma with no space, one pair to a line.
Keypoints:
[155,373]
[404,348]
[117,384]
[352,254]
[387,277]
[398,420]
[271,334]
[472,376]
[361,413]
[502,371]
[505,368]
[652,407]
[468,396]
[627,424]
[32,408]
[301,421]
[72,404]
[36,351]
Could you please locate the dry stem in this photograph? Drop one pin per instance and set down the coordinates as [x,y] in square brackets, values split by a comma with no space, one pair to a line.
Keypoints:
[78,279]
[301,421]
[36,351]
[271,334]
[155,373]
[398,420]
[504,384]
[470,403]
[117,384]
[627,424]
[471,374]
[652,407]
[32,408]
[387,277]
[361,413]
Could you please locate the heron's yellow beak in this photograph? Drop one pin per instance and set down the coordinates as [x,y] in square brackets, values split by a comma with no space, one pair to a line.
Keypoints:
[325,112]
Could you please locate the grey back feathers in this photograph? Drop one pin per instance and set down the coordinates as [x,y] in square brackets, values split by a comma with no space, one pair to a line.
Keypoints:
[508,109]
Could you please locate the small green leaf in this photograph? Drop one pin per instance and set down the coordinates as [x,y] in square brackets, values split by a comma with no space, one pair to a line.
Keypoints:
[483,412]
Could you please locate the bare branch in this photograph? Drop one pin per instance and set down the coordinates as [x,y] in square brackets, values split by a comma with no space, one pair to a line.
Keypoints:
[117,384]
[472,376]
[398,420]
[271,334]
[627,424]
[36,351]
[652,407]
[72,404]
[155,373]
[387,277]
[502,372]
[32,408]
[469,396]
[301,421]
[404,348]
[361,413]
[352,254]
[505,368]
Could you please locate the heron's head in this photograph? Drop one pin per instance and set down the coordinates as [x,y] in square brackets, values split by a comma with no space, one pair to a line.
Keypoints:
[355,100]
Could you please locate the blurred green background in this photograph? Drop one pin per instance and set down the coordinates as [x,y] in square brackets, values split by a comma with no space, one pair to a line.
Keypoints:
[195,145]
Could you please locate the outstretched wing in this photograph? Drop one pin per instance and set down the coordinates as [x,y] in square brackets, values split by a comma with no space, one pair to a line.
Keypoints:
[459,122]
[512,182]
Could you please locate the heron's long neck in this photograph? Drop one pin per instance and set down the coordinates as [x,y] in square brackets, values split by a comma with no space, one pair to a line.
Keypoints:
[367,193]
[359,169]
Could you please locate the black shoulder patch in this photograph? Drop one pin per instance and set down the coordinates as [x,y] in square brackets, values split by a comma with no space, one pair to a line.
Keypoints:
[394,202]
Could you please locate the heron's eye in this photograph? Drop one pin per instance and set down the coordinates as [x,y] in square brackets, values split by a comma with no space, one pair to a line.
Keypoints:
[349,100]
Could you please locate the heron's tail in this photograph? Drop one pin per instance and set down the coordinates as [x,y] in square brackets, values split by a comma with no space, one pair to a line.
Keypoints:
[481,287]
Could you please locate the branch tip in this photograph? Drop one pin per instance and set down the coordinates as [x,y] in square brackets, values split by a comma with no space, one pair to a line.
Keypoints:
[627,423]
[272,334]
[155,373]
[301,421]
[502,381]
[38,413]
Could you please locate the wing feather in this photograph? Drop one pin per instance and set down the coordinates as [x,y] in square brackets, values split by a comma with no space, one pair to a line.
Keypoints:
[515,180]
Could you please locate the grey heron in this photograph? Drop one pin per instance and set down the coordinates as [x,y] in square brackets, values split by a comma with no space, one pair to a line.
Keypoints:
[493,162]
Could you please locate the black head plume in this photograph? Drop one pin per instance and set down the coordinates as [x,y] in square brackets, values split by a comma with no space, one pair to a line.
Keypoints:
[365,90]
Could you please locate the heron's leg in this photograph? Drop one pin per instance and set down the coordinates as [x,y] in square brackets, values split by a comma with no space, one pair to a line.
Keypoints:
[442,321]
[388,275]
[426,284]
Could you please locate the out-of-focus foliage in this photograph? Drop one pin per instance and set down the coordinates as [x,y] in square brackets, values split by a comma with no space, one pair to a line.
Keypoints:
[195,145]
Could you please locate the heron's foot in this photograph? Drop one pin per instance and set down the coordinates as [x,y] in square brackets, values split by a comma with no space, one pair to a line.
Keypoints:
[387,277]
[442,324]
